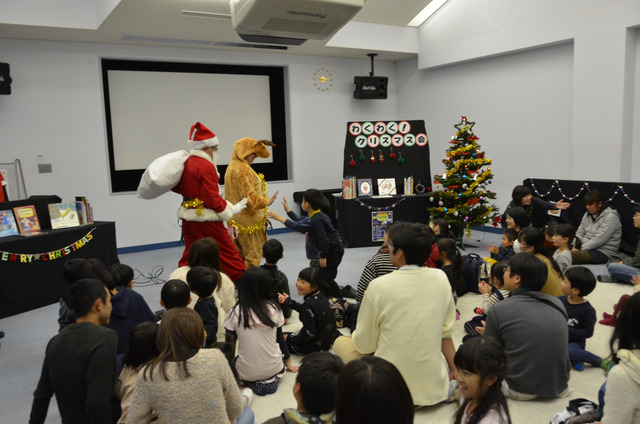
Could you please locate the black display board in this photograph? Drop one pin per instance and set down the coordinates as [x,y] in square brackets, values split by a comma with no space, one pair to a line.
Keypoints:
[354,215]
[619,196]
[404,146]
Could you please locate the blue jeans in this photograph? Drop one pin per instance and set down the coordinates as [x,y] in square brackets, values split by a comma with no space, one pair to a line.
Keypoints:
[247,417]
[578,354]
[623,272]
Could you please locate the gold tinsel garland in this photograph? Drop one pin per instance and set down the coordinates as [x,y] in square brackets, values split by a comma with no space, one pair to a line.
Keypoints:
[457,166]
[196,204]
[260,224]
[472,146]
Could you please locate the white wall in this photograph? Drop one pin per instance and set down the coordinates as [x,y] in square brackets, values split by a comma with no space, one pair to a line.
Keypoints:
[56,110]
[554,86]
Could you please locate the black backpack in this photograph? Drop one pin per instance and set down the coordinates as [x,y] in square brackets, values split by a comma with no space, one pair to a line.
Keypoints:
[474,269]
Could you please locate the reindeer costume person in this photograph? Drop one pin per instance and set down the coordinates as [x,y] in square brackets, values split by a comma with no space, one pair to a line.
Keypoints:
[241,181]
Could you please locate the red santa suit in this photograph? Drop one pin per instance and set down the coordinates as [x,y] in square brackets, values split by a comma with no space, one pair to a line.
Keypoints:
[204,211]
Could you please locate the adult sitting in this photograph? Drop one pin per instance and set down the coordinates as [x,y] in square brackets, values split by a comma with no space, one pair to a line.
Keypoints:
[517,219]
[407,317]
[186,383]
[537,349]
[206,252]
[599,232]
[535,207]
[80,362]
[624,270]
[532,241]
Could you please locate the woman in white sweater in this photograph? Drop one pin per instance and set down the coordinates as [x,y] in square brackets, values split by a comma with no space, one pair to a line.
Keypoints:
[206,252]
[622,396]
[185,383]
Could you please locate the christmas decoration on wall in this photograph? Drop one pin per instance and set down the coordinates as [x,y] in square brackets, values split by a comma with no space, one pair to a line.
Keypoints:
[461,192]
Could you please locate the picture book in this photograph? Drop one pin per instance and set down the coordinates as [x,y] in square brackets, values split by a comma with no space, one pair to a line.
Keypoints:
[85,213]
[408,186]
[386,186]
[8,226]
[365,187]
[27,219]
[63,215]
[349,188]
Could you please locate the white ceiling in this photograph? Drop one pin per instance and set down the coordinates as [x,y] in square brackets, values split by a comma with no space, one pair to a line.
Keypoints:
[161,23]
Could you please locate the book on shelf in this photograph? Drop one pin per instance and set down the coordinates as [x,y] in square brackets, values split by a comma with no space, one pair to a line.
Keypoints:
[349,188]
[27,219]
[64,215]
[85,212]
[365,187]
[8,225]
[386,186]
[408,186]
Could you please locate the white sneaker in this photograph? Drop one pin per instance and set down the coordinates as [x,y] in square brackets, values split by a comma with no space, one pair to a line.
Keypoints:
[247,393]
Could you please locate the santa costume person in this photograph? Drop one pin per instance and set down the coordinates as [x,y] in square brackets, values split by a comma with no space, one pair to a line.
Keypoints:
[203,210]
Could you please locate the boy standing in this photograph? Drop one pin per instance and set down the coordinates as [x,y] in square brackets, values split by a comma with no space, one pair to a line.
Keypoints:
[272,252]
[314,390]
[579,282]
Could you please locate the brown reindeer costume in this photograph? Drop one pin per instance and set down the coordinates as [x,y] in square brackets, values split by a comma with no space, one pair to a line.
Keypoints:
[242,181]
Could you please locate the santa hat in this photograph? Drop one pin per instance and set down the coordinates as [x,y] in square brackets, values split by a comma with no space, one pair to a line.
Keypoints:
[202,137]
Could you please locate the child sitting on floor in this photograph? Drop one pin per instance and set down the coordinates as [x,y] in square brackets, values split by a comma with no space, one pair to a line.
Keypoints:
[272,252]
[255,321]
[563,240]
[314,390]
[491,294]
[318,321]
[203,281]
[579,282]
[481,366]
[505,251]
[451,262]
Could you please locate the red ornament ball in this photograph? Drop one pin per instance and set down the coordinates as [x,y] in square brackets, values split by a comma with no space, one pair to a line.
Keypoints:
[392,155]
[352,163]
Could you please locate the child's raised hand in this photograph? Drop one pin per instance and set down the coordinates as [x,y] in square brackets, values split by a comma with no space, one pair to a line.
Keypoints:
[273,215]
[484,288]
[493,249]
[285,204]
[282,297]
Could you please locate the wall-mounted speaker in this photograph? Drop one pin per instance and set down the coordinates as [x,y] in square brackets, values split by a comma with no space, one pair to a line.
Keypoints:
[5,79]
[370,88]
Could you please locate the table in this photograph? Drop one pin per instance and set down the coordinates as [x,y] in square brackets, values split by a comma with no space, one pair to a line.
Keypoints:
[37,282]
[354,215]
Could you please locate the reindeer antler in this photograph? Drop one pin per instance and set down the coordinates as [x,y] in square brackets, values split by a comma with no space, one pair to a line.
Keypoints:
[267,143]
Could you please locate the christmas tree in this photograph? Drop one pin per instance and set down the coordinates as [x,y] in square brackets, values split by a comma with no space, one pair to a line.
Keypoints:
[462,198]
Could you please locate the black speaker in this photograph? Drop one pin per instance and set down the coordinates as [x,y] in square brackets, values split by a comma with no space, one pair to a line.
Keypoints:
[5,79]
[371,88]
